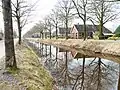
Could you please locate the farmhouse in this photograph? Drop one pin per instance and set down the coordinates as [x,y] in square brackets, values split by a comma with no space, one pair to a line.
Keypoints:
[78,32]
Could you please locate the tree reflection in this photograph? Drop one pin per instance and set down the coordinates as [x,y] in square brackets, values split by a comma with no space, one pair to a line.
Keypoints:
[119,79]
[92,74]
[79,77]
[102,76]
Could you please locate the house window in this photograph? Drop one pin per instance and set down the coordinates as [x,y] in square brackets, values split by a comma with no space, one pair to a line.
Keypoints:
[82,34]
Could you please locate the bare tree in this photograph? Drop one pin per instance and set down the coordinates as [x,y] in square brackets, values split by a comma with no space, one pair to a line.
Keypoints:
[103,11]
[81,8]
[65,13]
[9,43]
[48,25]
[54,17]
[22,12]
[37,28]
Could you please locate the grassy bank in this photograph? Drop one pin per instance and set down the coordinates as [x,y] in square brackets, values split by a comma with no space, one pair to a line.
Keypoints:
[30,74]
[98,46]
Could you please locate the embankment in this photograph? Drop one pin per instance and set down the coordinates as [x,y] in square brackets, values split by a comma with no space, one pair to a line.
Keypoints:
[98,46]
[31,75]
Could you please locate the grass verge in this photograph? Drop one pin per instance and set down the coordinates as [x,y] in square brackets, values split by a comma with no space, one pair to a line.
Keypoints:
[30,74]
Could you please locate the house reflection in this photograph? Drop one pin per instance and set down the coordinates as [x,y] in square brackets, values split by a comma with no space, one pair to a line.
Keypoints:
[75,54]
[73,70]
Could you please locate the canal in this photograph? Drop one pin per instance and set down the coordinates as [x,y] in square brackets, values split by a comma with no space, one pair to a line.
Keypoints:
[73,70]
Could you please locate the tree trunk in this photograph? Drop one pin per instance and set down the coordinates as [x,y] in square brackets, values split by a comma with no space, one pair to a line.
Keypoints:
[56,54]
[50,31]
[10,60]
[66,24]
[66,70]
[85,31]
[19,30]
[119,83]
[18,21]
[101,36]
[56,31]
[83,73]
[20,37]
[99,75]
[42,35]
[119,79]
[84,26]
[46,35]
[50,52]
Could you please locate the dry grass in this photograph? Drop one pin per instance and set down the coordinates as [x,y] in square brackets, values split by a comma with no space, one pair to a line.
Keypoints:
[31,73]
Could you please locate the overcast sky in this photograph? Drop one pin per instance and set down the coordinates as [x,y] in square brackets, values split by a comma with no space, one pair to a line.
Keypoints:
[43,8]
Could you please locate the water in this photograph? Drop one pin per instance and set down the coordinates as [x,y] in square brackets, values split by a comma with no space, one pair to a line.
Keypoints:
[73,70]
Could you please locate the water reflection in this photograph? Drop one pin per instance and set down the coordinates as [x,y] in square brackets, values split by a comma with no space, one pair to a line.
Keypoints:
[77,71]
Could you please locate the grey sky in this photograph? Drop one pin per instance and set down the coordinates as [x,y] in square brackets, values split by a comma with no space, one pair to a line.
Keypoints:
[42,8]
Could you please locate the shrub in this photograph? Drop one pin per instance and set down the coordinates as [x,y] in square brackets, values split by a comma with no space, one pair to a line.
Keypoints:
[113,38]
[96,35]
[117,35]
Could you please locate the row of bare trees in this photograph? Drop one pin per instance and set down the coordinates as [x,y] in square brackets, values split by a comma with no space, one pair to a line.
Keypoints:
[21,12]
[97,11]
[60,16]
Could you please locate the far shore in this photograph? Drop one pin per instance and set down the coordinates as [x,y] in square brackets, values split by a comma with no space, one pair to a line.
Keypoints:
[99,46]
[110,47]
